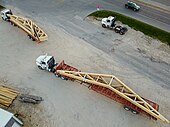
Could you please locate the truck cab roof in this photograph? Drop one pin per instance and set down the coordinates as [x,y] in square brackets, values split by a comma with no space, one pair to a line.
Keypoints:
[5,11]
[111,17]
[43,58]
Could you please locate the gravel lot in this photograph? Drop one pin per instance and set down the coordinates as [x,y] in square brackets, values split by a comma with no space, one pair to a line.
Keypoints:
[67,103]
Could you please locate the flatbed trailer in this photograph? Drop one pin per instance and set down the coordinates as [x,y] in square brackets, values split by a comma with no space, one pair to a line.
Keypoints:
[73,73]
[34,31]
[112,87]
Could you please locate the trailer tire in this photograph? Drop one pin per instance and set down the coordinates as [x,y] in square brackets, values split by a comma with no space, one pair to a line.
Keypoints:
[121,33]
[116,31]
[62,77]
[29,36]
[11,23]
[40,68]
[32,39]
[134,112]
[57,75]
[126,108]
[53,70]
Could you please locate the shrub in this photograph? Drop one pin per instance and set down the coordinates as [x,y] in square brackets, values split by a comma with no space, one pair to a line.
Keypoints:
[1,7]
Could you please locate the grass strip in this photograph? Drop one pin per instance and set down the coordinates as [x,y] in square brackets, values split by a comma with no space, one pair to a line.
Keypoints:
[1,7]
[137,25]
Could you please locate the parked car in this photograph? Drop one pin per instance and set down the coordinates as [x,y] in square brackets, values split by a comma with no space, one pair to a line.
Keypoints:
[121,30]
[132,6]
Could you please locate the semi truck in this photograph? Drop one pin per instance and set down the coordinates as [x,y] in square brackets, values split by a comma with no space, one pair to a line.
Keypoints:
[34,32]
[109,22]
[108,85]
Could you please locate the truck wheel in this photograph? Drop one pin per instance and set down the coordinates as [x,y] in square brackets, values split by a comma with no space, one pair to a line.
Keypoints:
[103,25]
[126,108]
[134,9]
[62,77]
[53,70]
[121,33]
[32,39]
[40,68]
[57,75]
[29,36]
[116,31]
[126,6]
[11,23]
[134,112]
[3,19]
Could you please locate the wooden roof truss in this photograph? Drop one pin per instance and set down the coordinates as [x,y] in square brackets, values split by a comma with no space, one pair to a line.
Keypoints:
[113,83]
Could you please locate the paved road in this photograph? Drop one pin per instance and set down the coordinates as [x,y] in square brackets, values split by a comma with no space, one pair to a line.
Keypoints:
[147,14]
[165,2]
[150,15]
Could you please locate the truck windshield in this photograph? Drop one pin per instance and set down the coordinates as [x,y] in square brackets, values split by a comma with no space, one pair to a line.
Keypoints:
[51,62]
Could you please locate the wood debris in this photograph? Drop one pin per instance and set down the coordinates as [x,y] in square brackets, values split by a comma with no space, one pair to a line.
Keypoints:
[30,99]
[7,96]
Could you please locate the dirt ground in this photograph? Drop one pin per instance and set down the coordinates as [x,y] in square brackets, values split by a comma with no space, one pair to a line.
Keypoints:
[68,103]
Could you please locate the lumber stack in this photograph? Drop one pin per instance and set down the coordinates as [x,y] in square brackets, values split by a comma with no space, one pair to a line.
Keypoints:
[7,96]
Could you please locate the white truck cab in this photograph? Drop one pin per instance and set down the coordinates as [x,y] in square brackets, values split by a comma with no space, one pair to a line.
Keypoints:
[5,14]
[45,62]
[109,22]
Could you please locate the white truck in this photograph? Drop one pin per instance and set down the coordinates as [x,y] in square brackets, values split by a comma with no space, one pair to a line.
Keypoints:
[5,14]
[35,33]
[45,62]
[108,22]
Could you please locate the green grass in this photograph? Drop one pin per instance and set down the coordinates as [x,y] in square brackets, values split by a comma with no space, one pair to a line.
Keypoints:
[1,7]
[137,25]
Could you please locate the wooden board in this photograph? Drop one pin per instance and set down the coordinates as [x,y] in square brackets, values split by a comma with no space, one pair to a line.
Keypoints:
[7,96]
